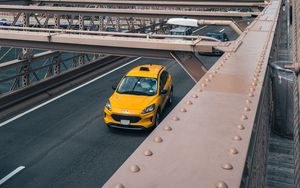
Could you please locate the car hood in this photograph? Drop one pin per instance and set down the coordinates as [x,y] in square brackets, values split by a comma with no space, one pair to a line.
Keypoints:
[130,102]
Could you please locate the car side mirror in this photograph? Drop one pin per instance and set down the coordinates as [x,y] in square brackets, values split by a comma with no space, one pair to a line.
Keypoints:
[114,87]
[163,91]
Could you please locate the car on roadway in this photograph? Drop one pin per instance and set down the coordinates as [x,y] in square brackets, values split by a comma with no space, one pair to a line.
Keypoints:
[140,98]
[217,35]
[183,31]
[220,36]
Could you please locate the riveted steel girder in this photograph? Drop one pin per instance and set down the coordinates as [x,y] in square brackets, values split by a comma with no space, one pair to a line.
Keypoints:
[122,12]
[205,139]
[177,4]
[131,44]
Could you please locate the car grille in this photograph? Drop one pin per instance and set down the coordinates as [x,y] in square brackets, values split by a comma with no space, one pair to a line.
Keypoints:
[132,119]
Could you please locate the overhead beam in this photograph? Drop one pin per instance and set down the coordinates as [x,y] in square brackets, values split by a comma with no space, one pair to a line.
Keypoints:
[122,12]
[180,4]
[88,43]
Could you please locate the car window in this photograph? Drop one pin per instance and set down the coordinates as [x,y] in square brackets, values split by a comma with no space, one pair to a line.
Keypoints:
[138,86]
[163,79]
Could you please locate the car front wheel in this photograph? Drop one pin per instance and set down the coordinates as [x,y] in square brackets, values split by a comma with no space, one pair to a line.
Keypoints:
[157,119]
[170,101]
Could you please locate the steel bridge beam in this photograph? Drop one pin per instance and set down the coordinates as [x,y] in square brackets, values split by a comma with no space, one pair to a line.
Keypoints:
[131,44]
[122,12]
[177,4]
[205,139]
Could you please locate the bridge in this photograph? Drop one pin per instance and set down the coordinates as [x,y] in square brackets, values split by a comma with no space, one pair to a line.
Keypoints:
[234,121]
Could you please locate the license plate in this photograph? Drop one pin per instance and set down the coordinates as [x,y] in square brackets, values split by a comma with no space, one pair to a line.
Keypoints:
[125,122]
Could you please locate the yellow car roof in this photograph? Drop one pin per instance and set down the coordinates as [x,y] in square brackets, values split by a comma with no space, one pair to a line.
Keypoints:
[149,70]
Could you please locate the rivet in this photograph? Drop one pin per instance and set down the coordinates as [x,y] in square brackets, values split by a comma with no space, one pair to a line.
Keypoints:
[195,96]
[248,101]
[168,128]
[221,184]
[215,71]
[227,166]
[237,137]
[158,139]
[134,168]
[252,89]
[247,108]
[217,68]
[189,102]
[251,94]
[254,83]
[233,151]
[119,186]
[182,110]
[211,75]
[244,117]
[203,84]
[199,90]
[255,79]
[261,60]
[148,152]
[221,64]
[258,68]
[207,79]
[241,127]
[175,118]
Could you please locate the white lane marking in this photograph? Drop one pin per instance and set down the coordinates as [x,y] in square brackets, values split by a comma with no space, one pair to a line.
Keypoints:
[17,170]
[66,93]
[200,29]
[222,30]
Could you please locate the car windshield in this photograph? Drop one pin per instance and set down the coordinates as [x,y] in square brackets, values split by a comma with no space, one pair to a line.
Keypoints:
[138,86]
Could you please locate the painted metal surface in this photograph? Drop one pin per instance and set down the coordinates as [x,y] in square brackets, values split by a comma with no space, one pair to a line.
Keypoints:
[35,57]
[121,12]
[201,142]
[89,42]
[179,4]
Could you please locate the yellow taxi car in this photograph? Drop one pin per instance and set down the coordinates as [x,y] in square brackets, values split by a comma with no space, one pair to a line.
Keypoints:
[140,98]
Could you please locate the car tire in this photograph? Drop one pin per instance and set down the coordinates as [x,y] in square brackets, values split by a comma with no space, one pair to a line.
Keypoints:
[170,101]
[157,118]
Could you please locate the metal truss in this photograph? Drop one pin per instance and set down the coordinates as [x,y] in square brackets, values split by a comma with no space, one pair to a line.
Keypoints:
[123,12]
[29,70]
[165,5]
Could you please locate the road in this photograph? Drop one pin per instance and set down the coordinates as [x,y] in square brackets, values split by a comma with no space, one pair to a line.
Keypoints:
[66,144]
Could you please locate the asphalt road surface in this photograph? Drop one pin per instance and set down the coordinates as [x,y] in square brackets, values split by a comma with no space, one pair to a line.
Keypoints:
[66,144]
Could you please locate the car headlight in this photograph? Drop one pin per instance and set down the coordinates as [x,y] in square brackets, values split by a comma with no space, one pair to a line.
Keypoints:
[149,109]
[108,105]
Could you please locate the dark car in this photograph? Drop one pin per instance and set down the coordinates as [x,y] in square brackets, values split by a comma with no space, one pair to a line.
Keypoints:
[220,36]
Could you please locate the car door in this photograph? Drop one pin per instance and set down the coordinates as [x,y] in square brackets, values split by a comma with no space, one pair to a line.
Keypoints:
[163,85]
